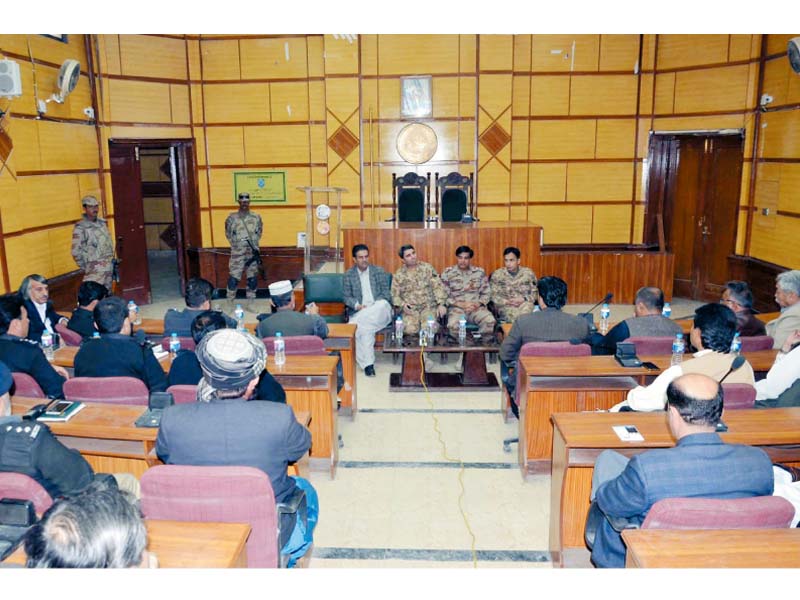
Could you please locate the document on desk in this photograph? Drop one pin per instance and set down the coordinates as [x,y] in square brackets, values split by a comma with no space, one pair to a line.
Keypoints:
[627,433]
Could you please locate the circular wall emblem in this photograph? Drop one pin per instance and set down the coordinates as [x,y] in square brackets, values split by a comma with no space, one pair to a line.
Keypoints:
[323,227]
[417,143]
[323,212]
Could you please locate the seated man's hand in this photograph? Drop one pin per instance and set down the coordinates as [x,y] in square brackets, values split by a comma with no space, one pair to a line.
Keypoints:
[516,300]
[312,308]
[61,371]
[407,308]
[441,310]
[793,338]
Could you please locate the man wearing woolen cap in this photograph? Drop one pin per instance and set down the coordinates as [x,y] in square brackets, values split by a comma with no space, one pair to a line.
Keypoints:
[223,428]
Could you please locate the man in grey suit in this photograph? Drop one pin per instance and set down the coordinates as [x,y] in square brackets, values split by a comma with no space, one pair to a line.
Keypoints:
[368,298]
[700,465]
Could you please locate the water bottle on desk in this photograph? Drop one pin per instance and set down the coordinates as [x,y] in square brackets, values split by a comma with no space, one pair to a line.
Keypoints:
[462,330]
[736,344]
[96,335]
[134,311]
[174,345]
[239,315]
[678,348]
[536,308]
[605,312]
[431,331]
[280,349]
[423,336]
[398,330]
[47,345]
[666,311]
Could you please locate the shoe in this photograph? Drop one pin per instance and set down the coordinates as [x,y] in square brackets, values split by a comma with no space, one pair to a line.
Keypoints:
[369,371]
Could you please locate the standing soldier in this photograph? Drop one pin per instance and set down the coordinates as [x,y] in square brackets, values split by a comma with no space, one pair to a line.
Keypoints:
[467,294]
[92,248]
[513,288]
[417,290]
[243,230]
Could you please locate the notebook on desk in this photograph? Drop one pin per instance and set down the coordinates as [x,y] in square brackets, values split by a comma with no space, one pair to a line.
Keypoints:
[61,410]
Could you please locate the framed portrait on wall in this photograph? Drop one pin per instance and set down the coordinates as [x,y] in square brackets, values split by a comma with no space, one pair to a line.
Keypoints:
[415,97]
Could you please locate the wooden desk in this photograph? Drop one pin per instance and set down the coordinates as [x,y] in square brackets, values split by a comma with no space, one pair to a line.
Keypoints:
[601,383]
[176,544]
[715,549]
[107,438]
[579,438]
[65,357]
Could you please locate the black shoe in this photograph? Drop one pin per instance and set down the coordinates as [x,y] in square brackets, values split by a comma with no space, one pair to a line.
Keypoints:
[369,371]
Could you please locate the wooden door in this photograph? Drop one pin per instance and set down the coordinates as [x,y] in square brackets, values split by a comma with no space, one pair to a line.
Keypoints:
[126,187]
[186,206]
[694,183]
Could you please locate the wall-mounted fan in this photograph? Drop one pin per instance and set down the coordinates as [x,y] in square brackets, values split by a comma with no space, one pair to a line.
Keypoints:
[794,54]
[68,76]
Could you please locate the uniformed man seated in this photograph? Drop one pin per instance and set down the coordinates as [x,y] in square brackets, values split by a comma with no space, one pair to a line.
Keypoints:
[115,353]
[467,290]
[513,288]
[417,291]
[22,355]
[82,319]
[198,299]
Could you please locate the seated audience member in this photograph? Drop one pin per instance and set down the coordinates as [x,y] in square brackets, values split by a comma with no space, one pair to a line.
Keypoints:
[115,353]
[42,315]
[28,447]
[738,297]
[646,322]
[285,319]
[549,324]
[513,288]
[198,299]
[185,369]
[22,355]
[82,320]
[417,291]
[368,299]
[781,387]
[223,428]
[467,290]
[712,334]
[787,295]
[99,528]
[700,465]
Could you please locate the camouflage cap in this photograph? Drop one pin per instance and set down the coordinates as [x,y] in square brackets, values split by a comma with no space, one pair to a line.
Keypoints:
[90,201]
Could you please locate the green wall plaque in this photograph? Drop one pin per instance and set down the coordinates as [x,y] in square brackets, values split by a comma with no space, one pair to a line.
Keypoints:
[263,186]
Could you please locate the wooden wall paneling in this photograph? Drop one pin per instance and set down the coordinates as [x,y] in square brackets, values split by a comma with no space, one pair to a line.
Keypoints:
[603,94]
[550,95]
[776,79]
[60,242]
[638,225]
[81,140]
[389,98]
[705,90]
[682,50]
[445,96]
[563,139]
[664,94]
[496,52]
[25,134]
[179,97]
[776,43]
[289,101]
[584,58]
[741,47]
[48,199]
[274,58]
[788,187]
[615,138]
[563,224]
[599,182]
[619,52]
[781,135]
[153,133]
[139,101]
[341,56]
[398,54]
[137,52]
[611,224]
[645,93]
[467,94]
[23,262]
[276,144]
[467,55]
[236,103]
[225,145]
[547,182]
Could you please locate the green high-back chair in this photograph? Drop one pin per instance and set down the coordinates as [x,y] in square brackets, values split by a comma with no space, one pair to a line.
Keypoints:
[454,196]
[410,197]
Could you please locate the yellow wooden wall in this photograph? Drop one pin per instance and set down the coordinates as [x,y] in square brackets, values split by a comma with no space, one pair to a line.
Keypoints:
[555,127]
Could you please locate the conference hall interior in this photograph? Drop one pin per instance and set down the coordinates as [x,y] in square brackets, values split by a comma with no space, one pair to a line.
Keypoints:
[612,161]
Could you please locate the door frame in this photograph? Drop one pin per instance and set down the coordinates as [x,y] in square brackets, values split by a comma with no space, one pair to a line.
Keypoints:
[185,197]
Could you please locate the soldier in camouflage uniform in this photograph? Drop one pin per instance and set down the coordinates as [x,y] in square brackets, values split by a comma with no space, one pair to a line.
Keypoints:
[513,288]
[92,248]
[467,293]
[240,227]
[417,291]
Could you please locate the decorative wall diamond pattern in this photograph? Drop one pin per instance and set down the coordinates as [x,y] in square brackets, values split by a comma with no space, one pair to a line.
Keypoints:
[343,142]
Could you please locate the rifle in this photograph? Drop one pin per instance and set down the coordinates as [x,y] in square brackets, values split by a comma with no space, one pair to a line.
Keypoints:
[255,258]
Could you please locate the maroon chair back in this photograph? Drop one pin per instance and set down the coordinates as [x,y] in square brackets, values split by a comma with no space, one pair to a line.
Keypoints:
[298,344]
[738,395]
[183,394]
[71,338]
[110,390]
[187,343]
[216,494]
[25,385]
[652,345]
[756,342]
[22,487]
[759,512]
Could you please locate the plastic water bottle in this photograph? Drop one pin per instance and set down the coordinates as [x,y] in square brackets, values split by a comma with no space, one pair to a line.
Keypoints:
[666,311]
[536,308]
[462,329]
[96,335]
[132,308]
[174,345]
[678,347]
[423,337]
[398,329]
[431,325]
[239,314]
[280,349]
[605,312]
[47,345]
[736,344]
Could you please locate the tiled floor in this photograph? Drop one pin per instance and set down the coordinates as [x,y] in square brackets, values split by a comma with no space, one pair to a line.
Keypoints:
[398,501]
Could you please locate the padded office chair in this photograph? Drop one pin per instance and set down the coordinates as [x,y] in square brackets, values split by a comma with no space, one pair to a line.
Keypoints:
[652,345]
[411,197]
[738,395]
[756,342]
[538,349]
[326,290]
[454,196]
[22,487]
[235,494]
[71,338]
[109,390]
[25,385]
[183,394]
[187,343]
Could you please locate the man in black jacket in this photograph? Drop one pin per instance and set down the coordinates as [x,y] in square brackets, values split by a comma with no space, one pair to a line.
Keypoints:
[22,355]
[42,315]
[82,320]
[116,353]
[198,299]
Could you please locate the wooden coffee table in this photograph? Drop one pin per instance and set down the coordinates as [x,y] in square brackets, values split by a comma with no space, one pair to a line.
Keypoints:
[475,377]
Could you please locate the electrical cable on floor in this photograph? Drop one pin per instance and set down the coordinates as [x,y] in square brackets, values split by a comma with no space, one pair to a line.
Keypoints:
[448,459]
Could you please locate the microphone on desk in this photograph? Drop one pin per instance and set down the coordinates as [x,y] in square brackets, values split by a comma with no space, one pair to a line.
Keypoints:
[141,338]
[737,363]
